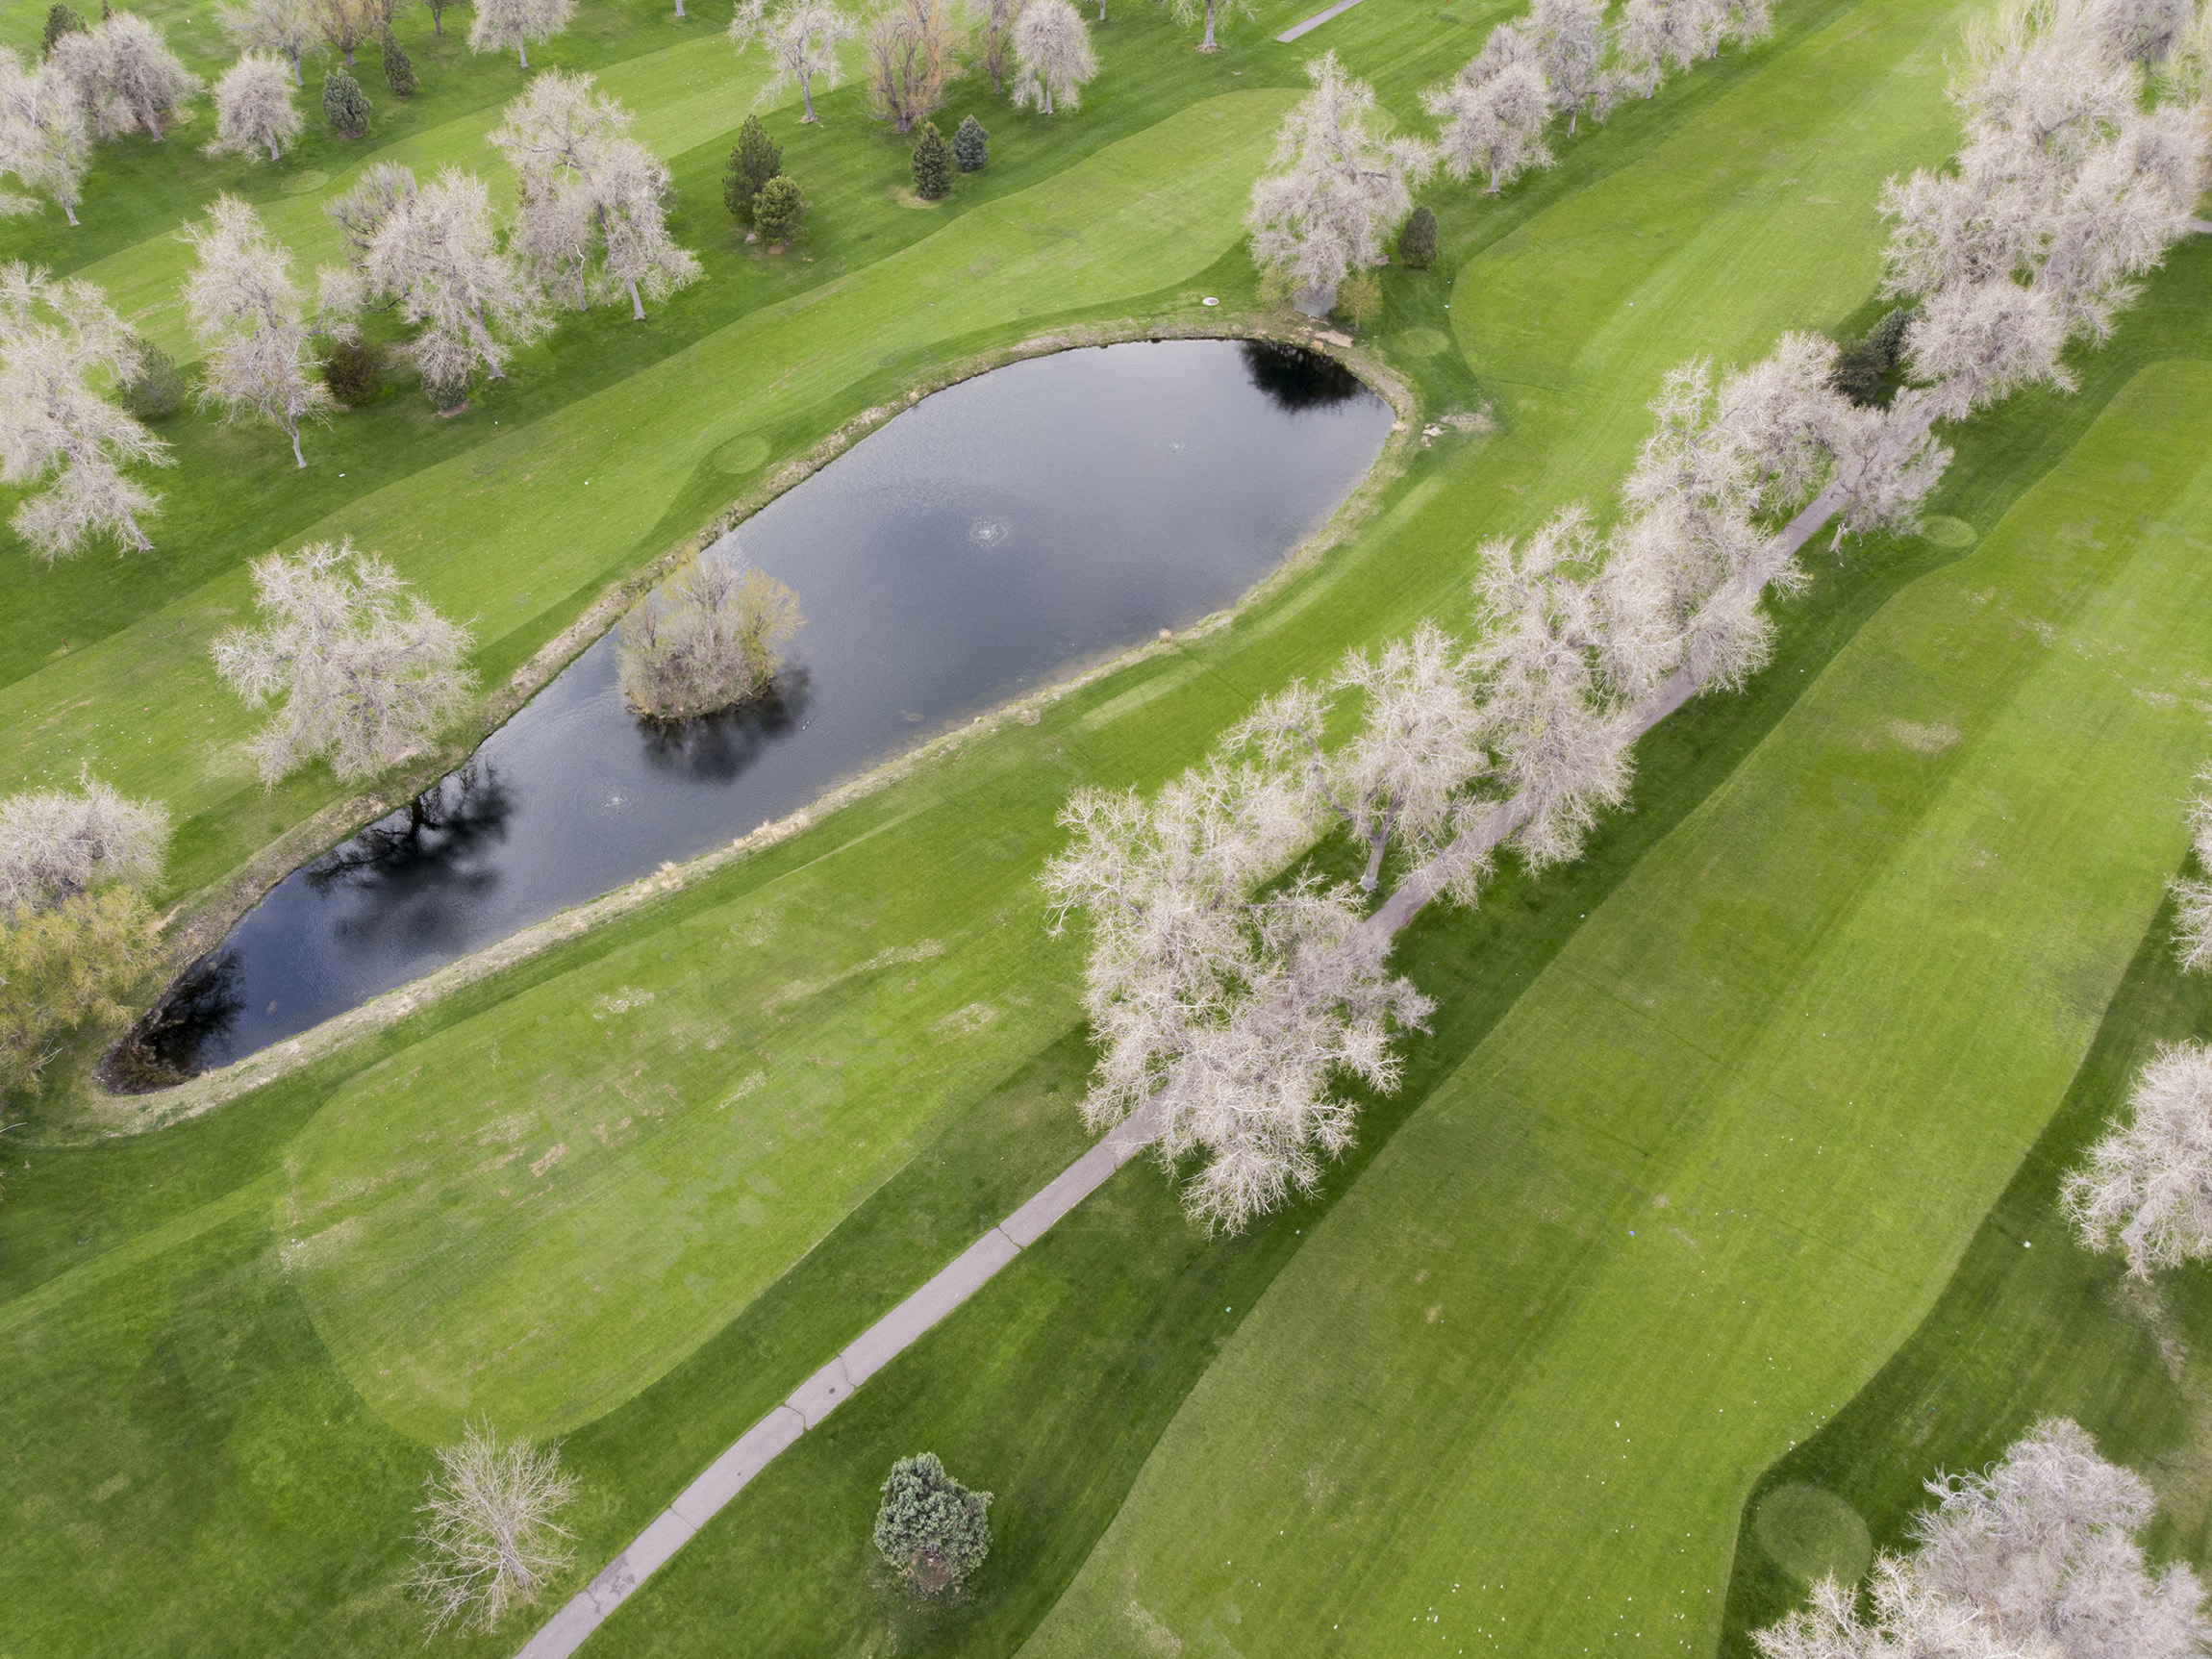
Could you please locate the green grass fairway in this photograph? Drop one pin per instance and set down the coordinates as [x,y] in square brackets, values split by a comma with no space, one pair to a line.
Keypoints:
[1707,1125]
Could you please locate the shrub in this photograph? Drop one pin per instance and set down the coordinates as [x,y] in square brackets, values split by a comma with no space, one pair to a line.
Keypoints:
[353,369]
[1359,298]
[446,394]
[63,968]
[1417,243]
[154,390]
[932,1529]
[971,145]
[344,104]
[705,638]
[398,70]
[932,165]
[752,164]
[61,21]
[779,209]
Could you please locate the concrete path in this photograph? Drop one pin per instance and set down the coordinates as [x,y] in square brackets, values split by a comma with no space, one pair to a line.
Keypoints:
[821,1394]
[1314,22]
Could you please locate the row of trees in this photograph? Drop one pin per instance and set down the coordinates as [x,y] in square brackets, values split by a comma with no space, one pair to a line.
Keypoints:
[94,84]
[911,51]
[1229,983]
[2037,1557]
[1341,182]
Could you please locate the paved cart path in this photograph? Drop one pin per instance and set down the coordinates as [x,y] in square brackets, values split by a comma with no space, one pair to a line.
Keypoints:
[812,1400]
[1314,22]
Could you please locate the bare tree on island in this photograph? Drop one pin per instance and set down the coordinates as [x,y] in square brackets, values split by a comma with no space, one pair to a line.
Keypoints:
[366,671]
[1338,185]
[45,136]
[1053,55]
[802,38]
[489,1539]
[248,316]
[59,431]
[254,108]
[591,221]
[501,24]
[708,637]
[2035,1558]
[2146,1188]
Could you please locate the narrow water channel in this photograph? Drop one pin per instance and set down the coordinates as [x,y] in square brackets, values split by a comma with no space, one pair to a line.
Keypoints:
[981,541]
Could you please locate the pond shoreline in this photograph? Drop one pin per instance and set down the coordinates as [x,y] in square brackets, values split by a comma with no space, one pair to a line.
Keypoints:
[204,918]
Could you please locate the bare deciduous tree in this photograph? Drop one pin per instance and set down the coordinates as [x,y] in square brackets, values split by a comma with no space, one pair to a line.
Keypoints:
[2148,1185]
[490,1539]
[1053,55]
[1227,998]
[706,639]
[2035,1558]
[366,671]
[384,188]
[46,137]
[501,24]
[1494,118]
[435,255]
[124,73]
[58,843]
[247,316]
[1402,779]
[1570,39]
[1337,187]
[909,46]
[288,28]
[54,424]
[1188,11]
[591,218]
[2145,31]
[346,23]
[995,22]
[1656,36]
[2191,896]
[802,39]
[254,108]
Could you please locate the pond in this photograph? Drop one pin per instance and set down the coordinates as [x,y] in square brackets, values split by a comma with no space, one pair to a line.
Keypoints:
[978,543]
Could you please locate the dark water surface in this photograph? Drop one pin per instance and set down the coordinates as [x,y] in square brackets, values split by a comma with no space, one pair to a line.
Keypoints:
[1040,514]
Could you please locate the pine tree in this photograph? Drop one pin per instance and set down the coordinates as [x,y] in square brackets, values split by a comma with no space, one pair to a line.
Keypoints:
[153,390]
[971,145]
[353,369]
[755,161]
[344,104]
[61,21]
[1417,243]
[398,70]
[778,209]
[932,165]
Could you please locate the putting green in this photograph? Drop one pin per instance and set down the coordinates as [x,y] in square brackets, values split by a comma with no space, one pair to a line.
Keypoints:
[1814,1534]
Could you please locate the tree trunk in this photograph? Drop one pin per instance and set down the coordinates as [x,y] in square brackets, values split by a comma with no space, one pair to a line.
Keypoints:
[69,212]
[523,53]
[135,536]
[296,456]
[1101,10]
[1207,44]
[273,155]
[637,305]
[348,51]
[153,120]
[679,7]
[1049,94]
[437,19]
[807,97]
[298,75]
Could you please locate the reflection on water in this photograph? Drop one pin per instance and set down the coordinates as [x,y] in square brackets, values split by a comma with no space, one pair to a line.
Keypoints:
[987,537]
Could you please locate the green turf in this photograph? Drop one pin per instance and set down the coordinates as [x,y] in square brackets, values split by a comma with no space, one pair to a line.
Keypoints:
[2031,1325]
[365,1243]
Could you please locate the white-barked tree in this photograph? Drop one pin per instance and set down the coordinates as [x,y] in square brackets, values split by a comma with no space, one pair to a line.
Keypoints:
[250,322]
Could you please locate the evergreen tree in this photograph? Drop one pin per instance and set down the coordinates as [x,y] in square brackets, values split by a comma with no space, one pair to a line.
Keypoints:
[931,1527]
[971,145]
[61,21]
[353,369]
[932,165]
[153,390]
[398,71]
[1417,243]
[344,104]
[778,209]
[752,164]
